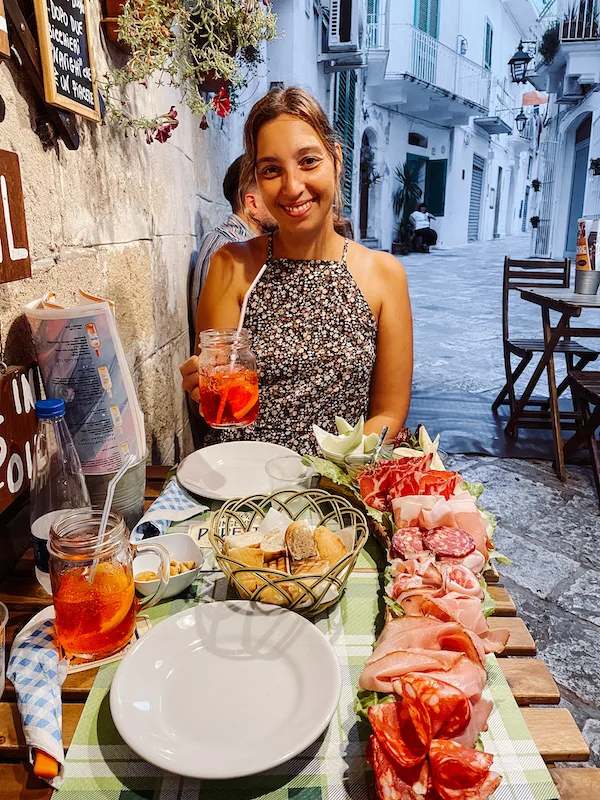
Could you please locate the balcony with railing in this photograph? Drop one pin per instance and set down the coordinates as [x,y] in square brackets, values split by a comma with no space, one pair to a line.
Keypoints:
[418,64]
[568,46]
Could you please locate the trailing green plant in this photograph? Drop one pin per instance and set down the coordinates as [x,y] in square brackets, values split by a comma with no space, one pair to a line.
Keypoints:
[548,47]
[405,197]
[188,45]
[536,185]
[369,174]
[535,221]
[595,165]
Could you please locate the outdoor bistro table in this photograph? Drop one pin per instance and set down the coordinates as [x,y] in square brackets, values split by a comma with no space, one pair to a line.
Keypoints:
[568,305]
[554,730]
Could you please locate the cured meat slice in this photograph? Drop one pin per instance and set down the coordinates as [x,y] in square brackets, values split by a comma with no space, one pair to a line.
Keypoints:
[382,482]
[480,712]
[394,729]
[458,578]
[475,561]
[387,781]
[461,773]
[406,543]
[439,482]
[449,542]
[469,519]
[407,510]
[377,676]
[436,708]
[465,675]
[454,607]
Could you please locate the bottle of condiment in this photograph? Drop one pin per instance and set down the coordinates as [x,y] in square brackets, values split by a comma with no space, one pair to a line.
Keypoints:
[582,258]
[57,484]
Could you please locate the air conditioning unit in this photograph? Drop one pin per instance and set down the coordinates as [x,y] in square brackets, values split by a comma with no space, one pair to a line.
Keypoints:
[346,28]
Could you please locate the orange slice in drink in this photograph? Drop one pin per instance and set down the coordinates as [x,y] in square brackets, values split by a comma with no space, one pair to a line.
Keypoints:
[116,592]
[242,398]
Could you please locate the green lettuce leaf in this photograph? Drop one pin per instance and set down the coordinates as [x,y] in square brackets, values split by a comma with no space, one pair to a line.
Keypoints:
[499,557]
[488,605]
[472,487]
[364,699]
[396,607]
[479,744]
[328,470]
[490,522]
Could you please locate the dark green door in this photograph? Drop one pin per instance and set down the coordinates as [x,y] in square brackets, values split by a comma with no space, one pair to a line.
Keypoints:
[435,186]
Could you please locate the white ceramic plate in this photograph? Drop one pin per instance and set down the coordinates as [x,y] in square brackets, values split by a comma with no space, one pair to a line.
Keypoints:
[231,469]
[226,689]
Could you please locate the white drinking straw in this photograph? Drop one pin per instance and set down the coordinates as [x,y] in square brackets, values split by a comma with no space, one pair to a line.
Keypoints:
[243,314]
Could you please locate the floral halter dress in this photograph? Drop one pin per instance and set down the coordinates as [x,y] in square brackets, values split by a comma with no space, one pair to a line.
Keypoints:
[315,339]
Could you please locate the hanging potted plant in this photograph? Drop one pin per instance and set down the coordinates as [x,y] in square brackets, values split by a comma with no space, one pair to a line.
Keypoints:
[207,49]
[535,221]
[536,185]
[595,165]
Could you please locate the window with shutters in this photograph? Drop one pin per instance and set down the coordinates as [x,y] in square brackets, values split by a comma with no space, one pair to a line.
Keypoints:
[343,122]
[489,38]
[426,16]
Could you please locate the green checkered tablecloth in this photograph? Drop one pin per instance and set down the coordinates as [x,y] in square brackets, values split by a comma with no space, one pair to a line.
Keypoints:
[100,766]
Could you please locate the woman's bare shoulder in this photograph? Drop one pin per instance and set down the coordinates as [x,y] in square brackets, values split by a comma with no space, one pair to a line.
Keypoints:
[384,266]
[243,254]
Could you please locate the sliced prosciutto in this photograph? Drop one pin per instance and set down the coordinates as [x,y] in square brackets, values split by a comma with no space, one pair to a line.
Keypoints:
[379,676]
[458,578]
[464,675]
[459,773]
[460,511]
[480,711]
[382,482]
[439,482]
[450,607]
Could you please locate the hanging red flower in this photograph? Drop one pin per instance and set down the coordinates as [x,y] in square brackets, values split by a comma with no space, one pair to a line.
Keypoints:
[222,103]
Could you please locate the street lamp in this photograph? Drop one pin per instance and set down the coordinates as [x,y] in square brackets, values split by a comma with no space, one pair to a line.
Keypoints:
[521,120]
[518,64]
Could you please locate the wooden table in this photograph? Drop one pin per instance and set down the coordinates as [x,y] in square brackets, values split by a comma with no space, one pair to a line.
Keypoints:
[568,305]
[553,729]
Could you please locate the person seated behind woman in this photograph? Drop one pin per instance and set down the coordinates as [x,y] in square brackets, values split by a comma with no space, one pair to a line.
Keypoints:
[330,319]
[421,222]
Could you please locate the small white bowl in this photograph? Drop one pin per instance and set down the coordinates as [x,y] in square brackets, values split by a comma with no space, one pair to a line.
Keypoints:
[180,547]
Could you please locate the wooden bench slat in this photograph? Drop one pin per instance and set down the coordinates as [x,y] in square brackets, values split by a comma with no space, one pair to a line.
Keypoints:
[530,681]
[505,605]
[18,782]
[157,472]
[556,734]
[577,784]
[520,642]
[24,594]
[12,741]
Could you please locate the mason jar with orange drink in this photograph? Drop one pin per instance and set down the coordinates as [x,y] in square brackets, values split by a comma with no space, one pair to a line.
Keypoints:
[228,379]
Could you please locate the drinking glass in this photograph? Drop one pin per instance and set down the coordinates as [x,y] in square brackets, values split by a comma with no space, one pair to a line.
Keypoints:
[288,472]
[228,380]
[3,622]
[95,617]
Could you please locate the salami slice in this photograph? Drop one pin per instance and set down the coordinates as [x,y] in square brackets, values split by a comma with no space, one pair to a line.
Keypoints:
[459,773]
[436,708]
[406,543]
[396,733]
[387,781]
[449,542]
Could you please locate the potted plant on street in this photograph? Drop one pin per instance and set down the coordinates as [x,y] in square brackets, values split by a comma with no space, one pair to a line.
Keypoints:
[404,201]
[595,165]
[535,221]
[206,48]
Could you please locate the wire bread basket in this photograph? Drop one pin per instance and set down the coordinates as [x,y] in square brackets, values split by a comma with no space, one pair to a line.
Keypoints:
[308,594]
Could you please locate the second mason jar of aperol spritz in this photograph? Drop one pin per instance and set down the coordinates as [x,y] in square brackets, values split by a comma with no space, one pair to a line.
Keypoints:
[228,379]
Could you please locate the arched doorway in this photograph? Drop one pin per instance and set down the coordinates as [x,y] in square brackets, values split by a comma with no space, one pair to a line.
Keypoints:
[580,168]
[369,179]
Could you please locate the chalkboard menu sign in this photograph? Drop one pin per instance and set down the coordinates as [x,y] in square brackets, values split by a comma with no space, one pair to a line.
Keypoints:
[64,38]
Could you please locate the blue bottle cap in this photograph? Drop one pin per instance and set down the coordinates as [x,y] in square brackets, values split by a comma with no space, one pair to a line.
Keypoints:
[50,409]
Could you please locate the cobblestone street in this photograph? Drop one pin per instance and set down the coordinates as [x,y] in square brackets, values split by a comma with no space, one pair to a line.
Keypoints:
[549,529]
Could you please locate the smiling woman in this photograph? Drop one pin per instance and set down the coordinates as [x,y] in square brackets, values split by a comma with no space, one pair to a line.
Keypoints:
[330,320]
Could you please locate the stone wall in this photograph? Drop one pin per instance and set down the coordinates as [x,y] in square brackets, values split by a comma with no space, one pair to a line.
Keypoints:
[122,219]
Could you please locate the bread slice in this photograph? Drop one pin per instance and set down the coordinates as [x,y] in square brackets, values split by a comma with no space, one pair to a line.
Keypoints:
[329,545]
[241,540]
[249,556]
[300,541]
[312,566]
[273,544]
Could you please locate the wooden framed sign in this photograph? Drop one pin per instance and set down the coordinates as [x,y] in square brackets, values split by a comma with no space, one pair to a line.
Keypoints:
[15,261]
[19,389]
[66,51]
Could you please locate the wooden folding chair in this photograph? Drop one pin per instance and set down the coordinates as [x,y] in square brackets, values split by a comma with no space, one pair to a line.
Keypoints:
[534,273]
[585,387]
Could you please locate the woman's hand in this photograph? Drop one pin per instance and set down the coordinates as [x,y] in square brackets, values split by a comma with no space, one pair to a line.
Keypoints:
[189,375]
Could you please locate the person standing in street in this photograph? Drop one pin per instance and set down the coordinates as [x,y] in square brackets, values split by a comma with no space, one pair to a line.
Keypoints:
[421,223]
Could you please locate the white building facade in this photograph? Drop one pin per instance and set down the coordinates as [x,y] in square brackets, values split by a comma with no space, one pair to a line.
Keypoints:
[419,81]
[567,66]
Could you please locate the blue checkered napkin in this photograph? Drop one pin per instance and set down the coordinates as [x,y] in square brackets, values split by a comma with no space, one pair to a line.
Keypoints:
[37,671]
[172,505]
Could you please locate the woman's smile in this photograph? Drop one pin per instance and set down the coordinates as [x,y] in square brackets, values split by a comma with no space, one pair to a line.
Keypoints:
[298,209]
